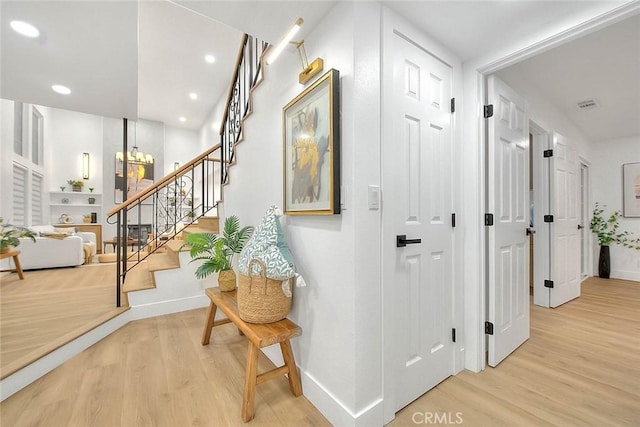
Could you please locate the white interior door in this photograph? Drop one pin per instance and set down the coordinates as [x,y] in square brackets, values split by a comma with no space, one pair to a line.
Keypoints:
[417,180]
[565,235]
[508,201]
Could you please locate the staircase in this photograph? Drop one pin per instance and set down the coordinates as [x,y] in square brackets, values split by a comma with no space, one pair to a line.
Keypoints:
[151,281]
[182,202]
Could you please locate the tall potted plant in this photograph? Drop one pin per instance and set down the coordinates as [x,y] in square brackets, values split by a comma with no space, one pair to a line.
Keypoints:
[607,230]
[10,236]
[217,252]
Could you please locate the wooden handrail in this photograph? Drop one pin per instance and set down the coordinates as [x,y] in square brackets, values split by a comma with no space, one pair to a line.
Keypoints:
[134,200]
[233,81]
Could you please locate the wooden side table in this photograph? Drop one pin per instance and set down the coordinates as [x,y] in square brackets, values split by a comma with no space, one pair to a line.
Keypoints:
[16,261]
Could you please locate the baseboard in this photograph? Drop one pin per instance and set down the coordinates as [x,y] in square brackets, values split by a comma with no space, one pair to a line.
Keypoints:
[22,378]
[160,308]
[626,275]
[334,410]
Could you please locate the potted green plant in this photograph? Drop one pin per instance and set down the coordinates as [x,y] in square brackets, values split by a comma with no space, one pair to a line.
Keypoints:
[76,185]
[10,236]
[217,252]
[607,230]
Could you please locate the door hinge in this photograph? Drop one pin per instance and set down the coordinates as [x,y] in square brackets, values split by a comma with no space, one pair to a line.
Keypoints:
[453,220]
[548,218]
[488,219]
[488,111]
[453,105]
[547,153]
[548,283]
[488,328]
[453,334]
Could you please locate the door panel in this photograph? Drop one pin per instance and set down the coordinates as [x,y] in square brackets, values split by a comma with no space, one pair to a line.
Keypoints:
[565,236]
[508,198]
[418,202]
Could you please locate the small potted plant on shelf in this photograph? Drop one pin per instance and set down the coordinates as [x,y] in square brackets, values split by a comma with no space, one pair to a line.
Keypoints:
[10,236]
[217,252]
[86,218]
[607,230]
[76,185]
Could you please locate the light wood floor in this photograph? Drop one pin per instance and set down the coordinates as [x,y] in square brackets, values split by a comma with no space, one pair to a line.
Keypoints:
[49,308]
[580,367]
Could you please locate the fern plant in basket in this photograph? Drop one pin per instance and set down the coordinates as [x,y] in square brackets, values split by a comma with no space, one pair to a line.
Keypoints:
[217,251]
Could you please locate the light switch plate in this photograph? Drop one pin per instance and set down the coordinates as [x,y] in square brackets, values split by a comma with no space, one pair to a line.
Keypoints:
[374,197]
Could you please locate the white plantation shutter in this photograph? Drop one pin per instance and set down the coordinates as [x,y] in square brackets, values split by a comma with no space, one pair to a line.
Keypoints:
[19,195]
[36,198]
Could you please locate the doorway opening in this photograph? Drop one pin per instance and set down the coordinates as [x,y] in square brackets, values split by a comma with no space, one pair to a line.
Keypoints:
[583,225]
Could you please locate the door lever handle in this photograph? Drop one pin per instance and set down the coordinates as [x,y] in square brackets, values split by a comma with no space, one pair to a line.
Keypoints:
[580,227]
[530,231]
[402,241]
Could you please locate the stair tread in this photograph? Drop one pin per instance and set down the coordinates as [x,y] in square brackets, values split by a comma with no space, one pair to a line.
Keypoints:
[176,245]
[139,278]
[194,229]
[158,262]
[209,223]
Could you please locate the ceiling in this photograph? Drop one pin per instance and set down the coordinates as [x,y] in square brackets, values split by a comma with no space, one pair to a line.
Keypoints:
[604,66]
[92,47]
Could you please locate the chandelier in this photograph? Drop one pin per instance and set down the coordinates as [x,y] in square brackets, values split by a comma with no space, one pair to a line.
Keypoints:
[136,157]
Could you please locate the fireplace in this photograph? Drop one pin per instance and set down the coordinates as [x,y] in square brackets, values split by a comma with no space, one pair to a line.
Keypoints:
[139,232]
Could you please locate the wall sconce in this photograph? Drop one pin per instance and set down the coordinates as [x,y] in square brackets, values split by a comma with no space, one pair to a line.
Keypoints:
[176,165]
[85,165]
[308,70]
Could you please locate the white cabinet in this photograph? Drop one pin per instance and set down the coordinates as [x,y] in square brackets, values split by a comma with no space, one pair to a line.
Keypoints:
[75,205]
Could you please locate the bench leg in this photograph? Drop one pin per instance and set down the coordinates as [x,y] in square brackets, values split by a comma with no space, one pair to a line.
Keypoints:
[211,315]
[248,399]
[16,261]
[289,361]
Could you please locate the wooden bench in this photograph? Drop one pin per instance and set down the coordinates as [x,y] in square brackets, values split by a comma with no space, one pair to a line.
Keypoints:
[259,336]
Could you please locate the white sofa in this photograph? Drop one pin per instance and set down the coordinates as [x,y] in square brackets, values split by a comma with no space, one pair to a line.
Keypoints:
[49,252]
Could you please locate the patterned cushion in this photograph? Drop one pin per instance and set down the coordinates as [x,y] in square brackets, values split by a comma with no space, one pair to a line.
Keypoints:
[269,246]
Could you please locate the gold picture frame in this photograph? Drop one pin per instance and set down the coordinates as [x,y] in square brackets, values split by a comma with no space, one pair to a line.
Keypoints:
[311,139]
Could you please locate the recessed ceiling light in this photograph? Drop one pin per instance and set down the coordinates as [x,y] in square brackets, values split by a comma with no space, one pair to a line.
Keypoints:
[25,29]
[182,119]
[210,59]
[62,90]
[193,96]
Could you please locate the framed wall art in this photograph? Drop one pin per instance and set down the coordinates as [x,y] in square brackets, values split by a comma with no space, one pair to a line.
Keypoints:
[140,176]
[311,128]
[631,190]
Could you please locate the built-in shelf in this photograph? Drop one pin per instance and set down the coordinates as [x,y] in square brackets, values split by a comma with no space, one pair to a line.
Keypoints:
[76,205]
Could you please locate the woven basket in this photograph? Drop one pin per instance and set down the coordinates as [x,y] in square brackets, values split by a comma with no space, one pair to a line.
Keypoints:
[227,280]
[260,299]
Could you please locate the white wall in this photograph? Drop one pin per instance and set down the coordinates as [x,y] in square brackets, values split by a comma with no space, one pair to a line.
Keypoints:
[72,134]
[339,352]
[606,188]
[180,145]
[546,115]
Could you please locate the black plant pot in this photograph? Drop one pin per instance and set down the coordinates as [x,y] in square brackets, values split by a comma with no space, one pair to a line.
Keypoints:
[604,263]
